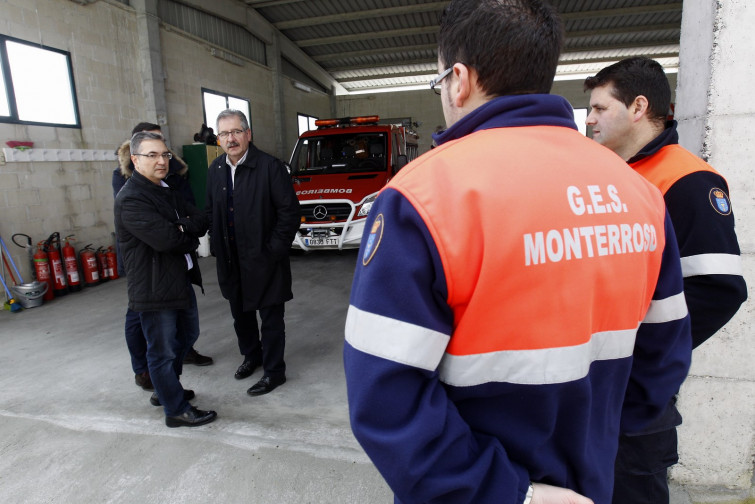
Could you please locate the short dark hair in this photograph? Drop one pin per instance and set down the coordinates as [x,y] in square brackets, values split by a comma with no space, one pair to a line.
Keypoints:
[513,45]
[632,77]
[145,126]
[140,136]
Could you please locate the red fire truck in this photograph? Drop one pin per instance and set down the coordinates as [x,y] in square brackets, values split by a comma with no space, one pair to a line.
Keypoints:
[338,170]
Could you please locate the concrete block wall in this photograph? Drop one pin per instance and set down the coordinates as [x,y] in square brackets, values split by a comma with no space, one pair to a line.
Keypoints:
[39,198]
[717,121]
[295,102]
[189,66]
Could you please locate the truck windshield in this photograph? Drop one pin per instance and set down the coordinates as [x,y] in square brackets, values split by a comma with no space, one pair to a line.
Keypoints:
[342,153]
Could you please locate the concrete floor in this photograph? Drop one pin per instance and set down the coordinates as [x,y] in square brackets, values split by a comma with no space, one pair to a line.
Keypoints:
[75,428]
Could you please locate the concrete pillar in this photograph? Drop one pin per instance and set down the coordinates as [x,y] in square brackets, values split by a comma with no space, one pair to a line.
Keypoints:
[717,121]
[150,64]
[273,54]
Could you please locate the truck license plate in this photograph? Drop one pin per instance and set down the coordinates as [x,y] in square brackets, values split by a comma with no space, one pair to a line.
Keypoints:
[320,242]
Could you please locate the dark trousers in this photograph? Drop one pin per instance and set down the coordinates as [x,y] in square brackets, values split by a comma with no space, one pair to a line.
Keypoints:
[137,345]
[170,334]
[267,349]
[641,468]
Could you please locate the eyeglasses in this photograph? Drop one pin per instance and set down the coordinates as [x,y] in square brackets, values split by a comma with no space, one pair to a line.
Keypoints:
[152,156]
[226,134]
[439,78]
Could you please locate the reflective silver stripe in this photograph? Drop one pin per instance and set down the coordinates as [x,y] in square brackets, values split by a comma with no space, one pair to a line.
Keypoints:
[536,367]
[666,310]
[711,264]
[395,340]
[423,348]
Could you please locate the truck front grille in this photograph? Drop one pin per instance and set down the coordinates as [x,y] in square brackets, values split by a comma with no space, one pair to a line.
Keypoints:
[325,212]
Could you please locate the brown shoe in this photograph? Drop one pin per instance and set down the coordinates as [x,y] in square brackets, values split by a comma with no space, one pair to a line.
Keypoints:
[143,380]
[194,357]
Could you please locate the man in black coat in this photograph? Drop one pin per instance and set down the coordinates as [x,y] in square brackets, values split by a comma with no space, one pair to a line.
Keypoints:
[253,214]
[177,179]
[158,234]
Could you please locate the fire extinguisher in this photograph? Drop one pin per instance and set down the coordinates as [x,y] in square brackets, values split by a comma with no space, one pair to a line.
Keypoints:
[42,270]
[89,266]
[112,263]
[72,266]
[52,247]
[102,264]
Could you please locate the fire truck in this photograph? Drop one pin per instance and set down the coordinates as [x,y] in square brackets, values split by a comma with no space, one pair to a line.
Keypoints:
[338,170]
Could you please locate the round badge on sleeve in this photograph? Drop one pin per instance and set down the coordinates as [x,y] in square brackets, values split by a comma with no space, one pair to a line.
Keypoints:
[720,201]
[373,241]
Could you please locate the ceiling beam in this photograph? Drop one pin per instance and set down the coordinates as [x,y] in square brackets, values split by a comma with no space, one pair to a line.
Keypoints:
[572,58]
[614,57]
[259,4]
[361,14]
[622,30]
[627,45]
[418,61]
[395,75]
[339,39]
[323,58]
[374,52]
[623,11]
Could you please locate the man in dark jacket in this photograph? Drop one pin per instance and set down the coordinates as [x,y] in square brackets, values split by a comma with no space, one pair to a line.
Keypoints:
[254,215]
[158,235]
[177,180]
[630,101]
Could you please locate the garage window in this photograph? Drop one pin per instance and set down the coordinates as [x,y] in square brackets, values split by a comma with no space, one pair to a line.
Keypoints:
[215,102]
[37,85]
[305,122]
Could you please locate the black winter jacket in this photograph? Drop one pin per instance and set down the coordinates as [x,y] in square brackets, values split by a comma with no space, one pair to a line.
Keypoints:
[266,219]
[155,228]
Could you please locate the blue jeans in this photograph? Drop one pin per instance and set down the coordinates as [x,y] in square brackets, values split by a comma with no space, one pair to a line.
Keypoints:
[170,334]
[137,345]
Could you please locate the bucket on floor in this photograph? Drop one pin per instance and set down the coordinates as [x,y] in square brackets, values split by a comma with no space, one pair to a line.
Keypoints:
[30,295]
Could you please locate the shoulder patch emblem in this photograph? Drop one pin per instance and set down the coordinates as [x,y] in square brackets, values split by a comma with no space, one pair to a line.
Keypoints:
[720,201]
[373,241]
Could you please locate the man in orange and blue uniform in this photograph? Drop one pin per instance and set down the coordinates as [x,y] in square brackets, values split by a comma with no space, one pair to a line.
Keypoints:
[629,101]
[517,301]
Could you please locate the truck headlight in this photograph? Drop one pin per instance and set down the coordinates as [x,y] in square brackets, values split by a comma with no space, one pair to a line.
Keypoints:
[366,206]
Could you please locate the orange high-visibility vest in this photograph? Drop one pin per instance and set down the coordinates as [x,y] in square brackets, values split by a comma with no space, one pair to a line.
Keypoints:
[672,162]
[582,230]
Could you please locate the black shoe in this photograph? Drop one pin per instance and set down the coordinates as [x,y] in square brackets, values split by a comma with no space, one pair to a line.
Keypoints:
[246,369]
[142,380]
[192,417]
[194,357]
[155,401]
[265,385]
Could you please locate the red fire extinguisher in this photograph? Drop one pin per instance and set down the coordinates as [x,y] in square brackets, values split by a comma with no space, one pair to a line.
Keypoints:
[42,270]
[112,263]
[102,265]
[72,267]
[52,247]
[89,266]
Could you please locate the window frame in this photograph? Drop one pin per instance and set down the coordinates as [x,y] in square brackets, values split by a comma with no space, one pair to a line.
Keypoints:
[226,96]
[9,90]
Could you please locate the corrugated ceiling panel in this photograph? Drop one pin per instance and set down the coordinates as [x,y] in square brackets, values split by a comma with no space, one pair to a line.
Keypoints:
[351,37]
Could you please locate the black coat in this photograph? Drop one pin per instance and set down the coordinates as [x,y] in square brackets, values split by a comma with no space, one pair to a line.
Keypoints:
[153,246]
[266,219]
